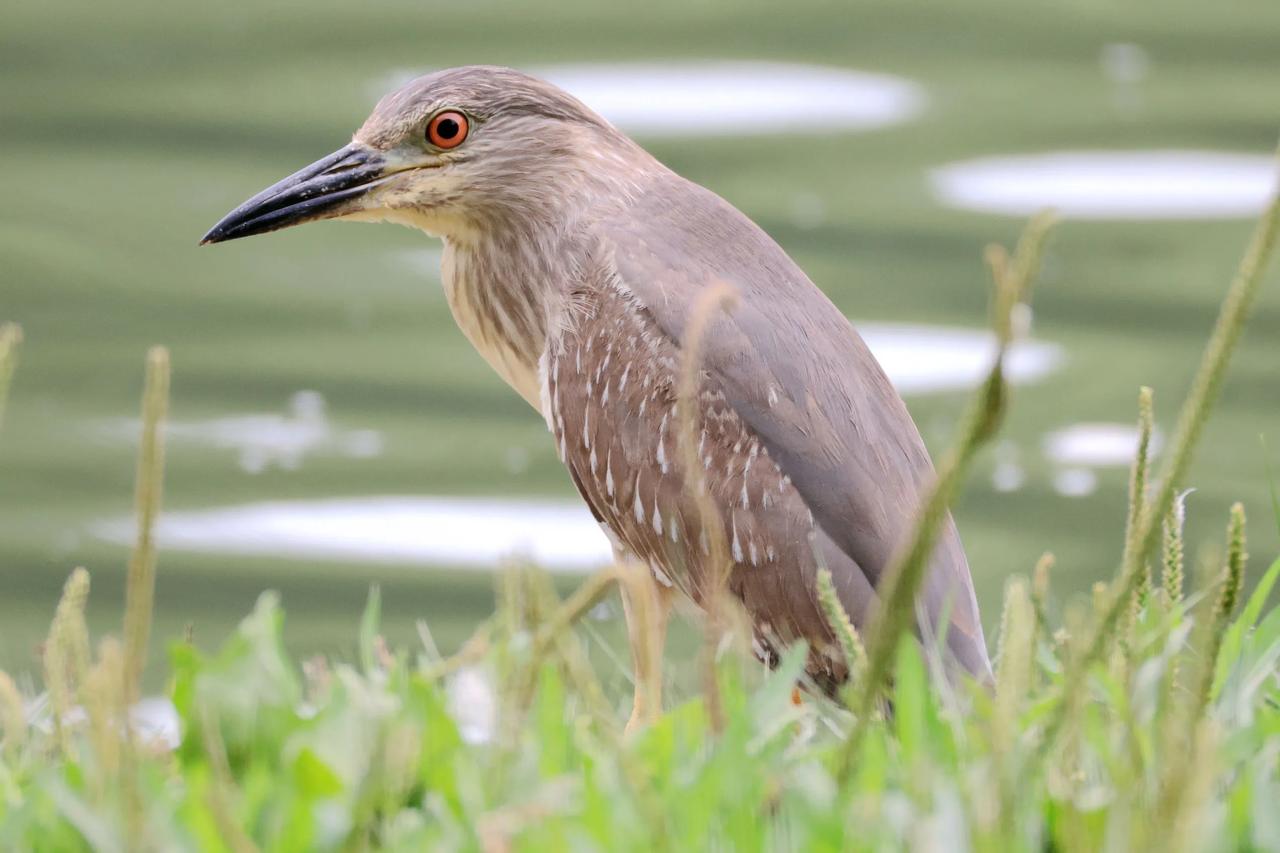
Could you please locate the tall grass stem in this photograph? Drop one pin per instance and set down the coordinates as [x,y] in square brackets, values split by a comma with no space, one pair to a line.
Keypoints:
[140,585]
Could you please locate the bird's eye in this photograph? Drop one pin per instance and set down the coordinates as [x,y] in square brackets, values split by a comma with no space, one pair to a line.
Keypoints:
[447,129]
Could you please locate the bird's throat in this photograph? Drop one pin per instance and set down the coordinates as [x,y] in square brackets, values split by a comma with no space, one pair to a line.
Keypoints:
[502,312]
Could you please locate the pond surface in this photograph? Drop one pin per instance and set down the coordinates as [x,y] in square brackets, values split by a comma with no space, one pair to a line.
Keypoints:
[318,371]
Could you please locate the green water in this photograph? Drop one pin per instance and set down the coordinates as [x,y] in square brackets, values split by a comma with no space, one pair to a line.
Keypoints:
[128,128]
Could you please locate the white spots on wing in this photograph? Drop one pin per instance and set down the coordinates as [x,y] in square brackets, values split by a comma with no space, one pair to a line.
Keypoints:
[622,383]
[657,516]
[594,462]
[544,390]
[737,545]
[611,536]
[662,449]
[751,551]
[608,473]
[637,504]
[675,530]
[659,575]
[555,408]
[746,469]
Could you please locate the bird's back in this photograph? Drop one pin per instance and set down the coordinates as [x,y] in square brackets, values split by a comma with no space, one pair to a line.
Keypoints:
[800,377]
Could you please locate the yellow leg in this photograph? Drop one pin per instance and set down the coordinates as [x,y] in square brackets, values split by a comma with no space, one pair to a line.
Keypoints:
[646,605]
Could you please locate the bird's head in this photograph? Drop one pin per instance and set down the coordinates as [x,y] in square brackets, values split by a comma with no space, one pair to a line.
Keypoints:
[449,151]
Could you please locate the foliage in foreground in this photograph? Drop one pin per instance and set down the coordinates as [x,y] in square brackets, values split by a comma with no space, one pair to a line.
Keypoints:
[518,749]
[1150,720]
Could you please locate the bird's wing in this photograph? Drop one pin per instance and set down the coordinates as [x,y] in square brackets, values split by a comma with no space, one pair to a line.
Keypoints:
[797,372]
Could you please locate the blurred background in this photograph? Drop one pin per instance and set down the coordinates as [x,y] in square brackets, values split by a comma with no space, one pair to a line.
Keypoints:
[332,429]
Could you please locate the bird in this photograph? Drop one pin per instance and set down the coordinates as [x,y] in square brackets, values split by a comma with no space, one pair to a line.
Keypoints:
[573,260]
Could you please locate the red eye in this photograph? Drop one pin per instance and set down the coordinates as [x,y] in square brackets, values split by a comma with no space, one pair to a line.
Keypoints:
[447,129]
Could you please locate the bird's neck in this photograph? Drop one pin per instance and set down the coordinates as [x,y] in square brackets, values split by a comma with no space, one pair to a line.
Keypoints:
[507,287]
[509,267]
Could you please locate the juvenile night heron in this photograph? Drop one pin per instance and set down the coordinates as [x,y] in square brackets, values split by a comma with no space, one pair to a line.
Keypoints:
[572,261]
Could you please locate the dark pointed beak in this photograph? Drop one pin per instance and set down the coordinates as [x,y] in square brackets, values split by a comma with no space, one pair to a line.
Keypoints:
[323,190]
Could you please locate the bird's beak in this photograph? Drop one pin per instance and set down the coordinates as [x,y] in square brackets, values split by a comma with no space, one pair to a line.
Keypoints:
[328,188]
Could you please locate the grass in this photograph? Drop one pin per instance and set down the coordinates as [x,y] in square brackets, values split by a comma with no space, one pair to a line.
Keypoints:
[1149,721]
[130,128]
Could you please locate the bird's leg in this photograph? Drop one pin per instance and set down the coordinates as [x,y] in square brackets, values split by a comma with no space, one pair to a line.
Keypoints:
[646,605]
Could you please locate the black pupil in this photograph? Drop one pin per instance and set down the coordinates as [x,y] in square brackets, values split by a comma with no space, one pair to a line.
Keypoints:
[447,128]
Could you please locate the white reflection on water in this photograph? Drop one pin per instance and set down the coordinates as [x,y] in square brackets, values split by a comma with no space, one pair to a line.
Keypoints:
[1008,474]
[479,532]
[928,359]
[468,532]
[1159,184]
[1080,448]
[1075,482]
[1097,444]
[740,98]
[263,441]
